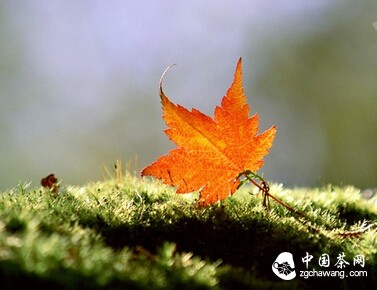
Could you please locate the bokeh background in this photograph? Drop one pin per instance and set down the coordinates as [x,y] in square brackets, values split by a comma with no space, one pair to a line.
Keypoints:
[78,83]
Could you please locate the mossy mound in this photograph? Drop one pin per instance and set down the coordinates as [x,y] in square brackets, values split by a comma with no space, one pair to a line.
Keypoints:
[128,233]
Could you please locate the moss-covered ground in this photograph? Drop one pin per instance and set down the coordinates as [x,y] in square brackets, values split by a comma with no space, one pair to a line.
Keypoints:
[128,233]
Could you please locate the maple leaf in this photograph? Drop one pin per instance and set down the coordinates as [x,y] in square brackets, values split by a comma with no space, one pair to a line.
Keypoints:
[211,153]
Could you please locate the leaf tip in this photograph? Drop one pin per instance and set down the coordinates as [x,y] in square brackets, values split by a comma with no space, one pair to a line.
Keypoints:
[273,127]
[239,63]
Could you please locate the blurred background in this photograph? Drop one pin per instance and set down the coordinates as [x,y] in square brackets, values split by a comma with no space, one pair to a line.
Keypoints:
[78,83]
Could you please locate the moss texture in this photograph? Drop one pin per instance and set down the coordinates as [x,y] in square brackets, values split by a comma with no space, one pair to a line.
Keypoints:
[127,233]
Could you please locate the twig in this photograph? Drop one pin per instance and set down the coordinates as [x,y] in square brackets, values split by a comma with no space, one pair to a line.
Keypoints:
[355,233]
[265,189]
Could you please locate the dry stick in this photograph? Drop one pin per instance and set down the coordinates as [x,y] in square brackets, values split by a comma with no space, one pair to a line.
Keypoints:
[355,233]
[264,188]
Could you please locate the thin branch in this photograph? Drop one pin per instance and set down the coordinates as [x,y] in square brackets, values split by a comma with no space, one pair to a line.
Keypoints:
[356,233]
[265,189]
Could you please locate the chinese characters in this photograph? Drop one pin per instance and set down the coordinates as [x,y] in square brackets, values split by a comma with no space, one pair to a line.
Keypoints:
[341,261]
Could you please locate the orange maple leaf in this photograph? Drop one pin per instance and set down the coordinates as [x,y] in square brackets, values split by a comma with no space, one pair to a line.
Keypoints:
[211,153]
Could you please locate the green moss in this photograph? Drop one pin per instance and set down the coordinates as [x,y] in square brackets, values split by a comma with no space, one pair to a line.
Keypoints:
[138,234]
